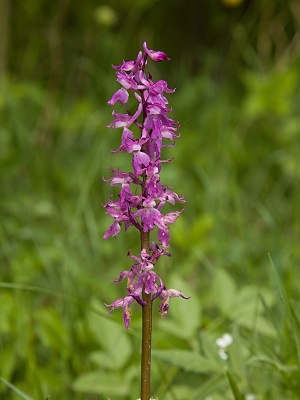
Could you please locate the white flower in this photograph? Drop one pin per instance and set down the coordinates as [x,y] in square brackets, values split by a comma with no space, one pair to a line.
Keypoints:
[223,342]
[223,354]
[250,396]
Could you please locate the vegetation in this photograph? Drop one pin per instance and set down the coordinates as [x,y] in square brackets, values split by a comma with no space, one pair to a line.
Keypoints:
[235,248]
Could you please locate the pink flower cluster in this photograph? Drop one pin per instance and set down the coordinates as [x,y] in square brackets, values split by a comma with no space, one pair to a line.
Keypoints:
[143,210]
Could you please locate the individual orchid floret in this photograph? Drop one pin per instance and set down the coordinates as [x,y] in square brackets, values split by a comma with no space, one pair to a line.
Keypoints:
[170,197]
[165,297]
[129,143]
[119,216]
[124,120]
[113,230]
[150,216]
[140,161]
[126,81]
[123,303]
[125,66]
[155,55]
[121,95]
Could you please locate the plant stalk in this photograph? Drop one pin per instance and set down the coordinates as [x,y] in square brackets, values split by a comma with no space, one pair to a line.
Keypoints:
[146,333]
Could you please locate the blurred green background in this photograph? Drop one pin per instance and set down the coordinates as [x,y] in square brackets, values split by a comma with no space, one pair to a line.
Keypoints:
[235,249]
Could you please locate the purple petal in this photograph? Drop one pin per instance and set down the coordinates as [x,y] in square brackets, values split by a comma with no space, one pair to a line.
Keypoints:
[121,95]
[164,308]
[126,81]
[124,274]
[120,120]
[140,161]
[155,55]
[113,230]
[171,217]
[163,237]
[150,285]
[126,66]
[127,312]
[165,296]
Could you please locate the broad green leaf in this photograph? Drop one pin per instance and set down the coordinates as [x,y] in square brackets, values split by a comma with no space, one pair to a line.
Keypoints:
[99,382]
[187,360]
[263,360]
[237,353]
[210,348]
[112,337]
[208,387]
[182,392]
[223,291]
[257,324]
[184,316]
[51,330]
[246,302]
[105,360]
[248,308]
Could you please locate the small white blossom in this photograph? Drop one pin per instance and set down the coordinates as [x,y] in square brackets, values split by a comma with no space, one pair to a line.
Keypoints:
[223,355]
[223,342]
[250,396]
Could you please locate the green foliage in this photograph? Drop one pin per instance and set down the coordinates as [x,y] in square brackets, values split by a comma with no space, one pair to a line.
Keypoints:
[237,164]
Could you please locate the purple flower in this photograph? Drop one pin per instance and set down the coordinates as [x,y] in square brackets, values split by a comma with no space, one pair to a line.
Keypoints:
[150,216]
[165,297]
[114,209]
[142,196]
[126,81]
[123,303]
[155,55]
[113,230]
[128,142]
[124,120]
[121,95]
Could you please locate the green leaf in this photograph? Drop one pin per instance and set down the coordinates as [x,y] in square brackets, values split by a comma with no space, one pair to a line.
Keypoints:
[184,316]
[7,309]
[14,389]
[258,324]
[208,387]
[210,348]
[223,291]
[247,310]
[188,360]
[112,337]
[234,387]
[9,359]
[237,354]
[287,369]
[99,382]
[51,330]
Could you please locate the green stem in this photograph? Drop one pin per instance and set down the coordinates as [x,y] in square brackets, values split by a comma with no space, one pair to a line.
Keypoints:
[146,333]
